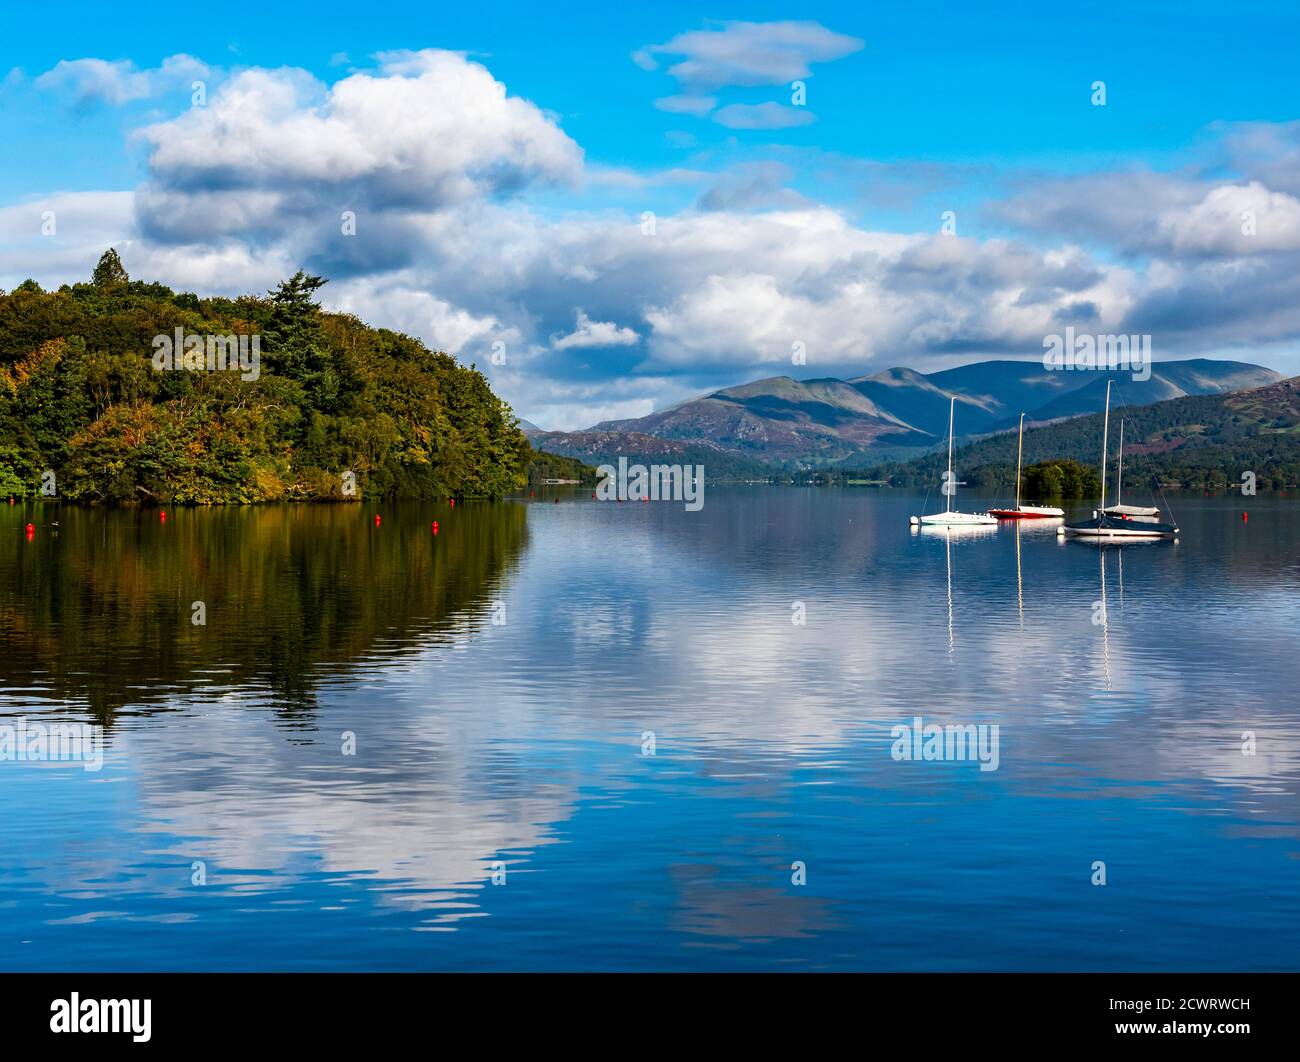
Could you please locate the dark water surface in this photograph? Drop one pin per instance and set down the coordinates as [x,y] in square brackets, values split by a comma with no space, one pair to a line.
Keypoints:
[500,678]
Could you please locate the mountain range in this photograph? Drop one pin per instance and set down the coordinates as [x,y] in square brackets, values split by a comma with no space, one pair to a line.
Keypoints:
[1192,441]
[783,423]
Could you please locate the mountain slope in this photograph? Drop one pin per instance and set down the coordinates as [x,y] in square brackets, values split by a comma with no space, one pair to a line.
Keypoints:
[790,423]
[780,419]
[1174,379]
[1192,441]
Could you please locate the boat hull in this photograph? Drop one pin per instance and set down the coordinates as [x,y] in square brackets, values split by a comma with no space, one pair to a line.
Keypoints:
[956,520]
[1110,527]
[1032,512]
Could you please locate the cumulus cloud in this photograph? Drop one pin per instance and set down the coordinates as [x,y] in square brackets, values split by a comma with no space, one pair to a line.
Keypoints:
[589,333]
[276,149]
[600,316]
[1169,215]
[1234,220]
[117,82]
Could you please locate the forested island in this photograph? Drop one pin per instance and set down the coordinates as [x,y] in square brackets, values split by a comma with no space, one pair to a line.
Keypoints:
[126,392]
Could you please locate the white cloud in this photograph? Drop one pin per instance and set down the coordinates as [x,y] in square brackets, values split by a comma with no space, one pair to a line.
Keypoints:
[120,81]
[427,130]
[438,162]
[1234,219]
[591,333]
[750,53]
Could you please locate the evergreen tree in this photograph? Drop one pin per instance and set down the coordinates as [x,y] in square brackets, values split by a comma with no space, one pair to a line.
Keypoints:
[109,273]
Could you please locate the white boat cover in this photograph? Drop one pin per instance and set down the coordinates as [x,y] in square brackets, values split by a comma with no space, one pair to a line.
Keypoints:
[1131,510]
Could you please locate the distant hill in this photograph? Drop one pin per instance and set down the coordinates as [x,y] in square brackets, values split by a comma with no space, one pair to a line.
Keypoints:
[779,420]
[1191,441]
[784,423]
[546,466]
[1171,379]
[606,447]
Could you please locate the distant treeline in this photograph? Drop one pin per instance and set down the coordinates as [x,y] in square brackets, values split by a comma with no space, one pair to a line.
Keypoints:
[1200,441]
[336,410]
[546,466]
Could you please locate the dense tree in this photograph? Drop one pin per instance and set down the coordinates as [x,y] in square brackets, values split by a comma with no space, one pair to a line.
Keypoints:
[109,272]
[1062,478]
[80,395]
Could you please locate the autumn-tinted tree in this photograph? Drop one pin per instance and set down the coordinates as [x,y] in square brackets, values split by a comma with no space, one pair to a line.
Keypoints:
[79,395]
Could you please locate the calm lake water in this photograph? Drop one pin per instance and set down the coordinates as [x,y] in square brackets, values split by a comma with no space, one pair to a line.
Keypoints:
[501,679]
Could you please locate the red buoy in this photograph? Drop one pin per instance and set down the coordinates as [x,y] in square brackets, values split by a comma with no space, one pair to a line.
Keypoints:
[31,528]
[435,527]
[1245,516]
[376,519]
[453,503]
[162,516]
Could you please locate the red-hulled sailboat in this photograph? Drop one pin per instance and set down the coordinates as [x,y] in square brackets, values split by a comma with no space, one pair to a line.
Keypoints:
[1025,512]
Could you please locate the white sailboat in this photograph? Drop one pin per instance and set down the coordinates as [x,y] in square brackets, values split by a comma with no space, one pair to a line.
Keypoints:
[1024,512]
[1109,524]
[949,518]
[1140,513]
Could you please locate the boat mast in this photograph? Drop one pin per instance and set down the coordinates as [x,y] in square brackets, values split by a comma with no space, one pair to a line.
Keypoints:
[1105,438]
[1119,482]
[1020,447]
[951,403]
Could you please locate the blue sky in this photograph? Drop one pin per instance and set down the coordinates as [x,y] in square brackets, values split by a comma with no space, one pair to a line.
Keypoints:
[501,161]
